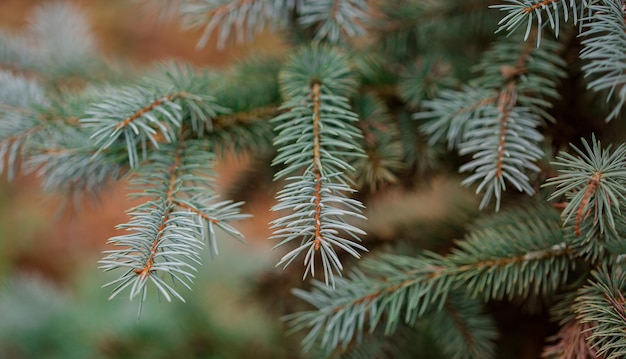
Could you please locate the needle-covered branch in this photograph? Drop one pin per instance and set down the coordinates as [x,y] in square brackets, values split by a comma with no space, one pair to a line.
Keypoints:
[170,229]
[334,20]
[496,118]
[243,18]
[605,49]
[512,255]
[539,13]
[317,136]
[593,182]
[151,113]
[601,305]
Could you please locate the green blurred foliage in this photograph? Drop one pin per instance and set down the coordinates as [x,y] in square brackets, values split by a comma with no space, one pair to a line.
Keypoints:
[219,320]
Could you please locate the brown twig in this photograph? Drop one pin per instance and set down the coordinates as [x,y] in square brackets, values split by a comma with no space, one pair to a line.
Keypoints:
[318,238]
[130,119]
[592,186]
[538,5]
[169,201]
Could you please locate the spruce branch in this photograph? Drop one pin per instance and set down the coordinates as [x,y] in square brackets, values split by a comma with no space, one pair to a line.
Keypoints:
[20,122]
[593,183]
[170,229]
[448,117]
[130,115]
[151,113]
[517,254]
[424,80]
[405,29]
[605,49]
[69,163]
[463,330]
[16,130]
[601,305]
[506,156]
[334,20]
[397,289]
[317,135]
[244,18]
[530,13]
[195,93]
[496,118]
[514,255]
[26,132]
[407,342]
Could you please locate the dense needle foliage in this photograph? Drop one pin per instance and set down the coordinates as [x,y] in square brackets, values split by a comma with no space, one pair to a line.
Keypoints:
[523,98]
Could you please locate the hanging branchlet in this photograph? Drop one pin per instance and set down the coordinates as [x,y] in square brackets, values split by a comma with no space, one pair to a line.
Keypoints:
[601,306]
[67,163]
[18,92]
[449,116]
[571,342]
[505,156]
[496,118]
[170,229]
[17,130]
[35,131]
[195,92]
[317,136]
[604,48]
[601,26]
[489,264]
[405,29]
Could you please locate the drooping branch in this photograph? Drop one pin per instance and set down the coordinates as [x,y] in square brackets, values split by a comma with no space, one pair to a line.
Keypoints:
[316,138]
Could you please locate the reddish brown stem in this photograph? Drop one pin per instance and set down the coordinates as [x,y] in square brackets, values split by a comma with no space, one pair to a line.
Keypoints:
[146,109]
[318,238]
[205,216]
[437,271]
[539,5]
[169,201]
[506,102]
[592,187]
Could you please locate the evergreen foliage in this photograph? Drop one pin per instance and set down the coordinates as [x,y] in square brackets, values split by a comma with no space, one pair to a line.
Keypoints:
[374,97]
